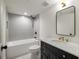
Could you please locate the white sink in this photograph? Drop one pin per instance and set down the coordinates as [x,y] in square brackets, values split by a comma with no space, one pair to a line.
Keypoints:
[59,41]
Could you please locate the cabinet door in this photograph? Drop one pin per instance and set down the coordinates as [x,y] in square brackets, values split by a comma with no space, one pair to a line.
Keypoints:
[44,56]
[54,56]
[71,57]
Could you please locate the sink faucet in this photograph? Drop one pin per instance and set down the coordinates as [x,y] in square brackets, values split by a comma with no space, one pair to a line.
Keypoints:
[61,38]
[64,39]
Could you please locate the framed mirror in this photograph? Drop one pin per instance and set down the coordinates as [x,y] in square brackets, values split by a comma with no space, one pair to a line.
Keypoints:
[65,21]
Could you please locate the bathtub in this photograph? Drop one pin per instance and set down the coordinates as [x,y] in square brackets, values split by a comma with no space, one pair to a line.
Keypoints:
[20,47]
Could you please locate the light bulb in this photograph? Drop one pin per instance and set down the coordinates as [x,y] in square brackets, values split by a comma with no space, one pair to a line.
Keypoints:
[25,13]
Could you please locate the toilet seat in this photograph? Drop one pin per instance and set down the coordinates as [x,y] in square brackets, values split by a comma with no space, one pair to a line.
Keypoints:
[34,48]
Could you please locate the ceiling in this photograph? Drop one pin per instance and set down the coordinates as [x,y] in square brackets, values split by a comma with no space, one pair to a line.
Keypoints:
[32,7]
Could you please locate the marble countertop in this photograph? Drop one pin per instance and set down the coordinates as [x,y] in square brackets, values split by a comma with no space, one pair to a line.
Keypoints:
[69,47]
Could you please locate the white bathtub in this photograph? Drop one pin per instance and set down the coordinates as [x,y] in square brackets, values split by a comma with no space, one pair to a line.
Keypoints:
[20,47]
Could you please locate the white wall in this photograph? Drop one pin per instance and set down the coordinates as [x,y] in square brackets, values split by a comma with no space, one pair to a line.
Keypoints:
[19,27]
[36,27]
[48,20]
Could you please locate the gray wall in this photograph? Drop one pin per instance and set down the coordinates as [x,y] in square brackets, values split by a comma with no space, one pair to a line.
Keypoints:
[20,27]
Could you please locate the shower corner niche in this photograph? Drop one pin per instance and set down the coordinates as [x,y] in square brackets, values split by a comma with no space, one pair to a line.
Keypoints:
[65,21]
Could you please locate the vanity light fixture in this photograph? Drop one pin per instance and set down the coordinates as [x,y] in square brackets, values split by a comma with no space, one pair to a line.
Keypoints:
[63,4]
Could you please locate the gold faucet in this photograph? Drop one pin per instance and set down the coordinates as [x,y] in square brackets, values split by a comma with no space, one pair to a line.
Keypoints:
[61,38]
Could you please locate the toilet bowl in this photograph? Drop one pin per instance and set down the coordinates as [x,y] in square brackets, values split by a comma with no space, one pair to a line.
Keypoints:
[34,49]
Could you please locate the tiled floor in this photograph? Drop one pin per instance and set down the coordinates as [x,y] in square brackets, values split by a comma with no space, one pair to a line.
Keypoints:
[29,56]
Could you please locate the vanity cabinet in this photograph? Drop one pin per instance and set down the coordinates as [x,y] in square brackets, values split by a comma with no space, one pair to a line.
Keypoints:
[51,52]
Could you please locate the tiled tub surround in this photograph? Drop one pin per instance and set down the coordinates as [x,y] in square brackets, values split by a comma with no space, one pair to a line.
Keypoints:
[65,46]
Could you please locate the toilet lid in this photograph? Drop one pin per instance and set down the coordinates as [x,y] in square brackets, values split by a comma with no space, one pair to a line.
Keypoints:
[35,47]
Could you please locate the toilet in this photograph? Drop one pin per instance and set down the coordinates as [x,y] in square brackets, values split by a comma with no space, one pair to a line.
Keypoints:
[35,51]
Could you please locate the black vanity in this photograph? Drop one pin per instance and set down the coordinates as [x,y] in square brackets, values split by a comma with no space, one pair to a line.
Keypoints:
[50,52]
